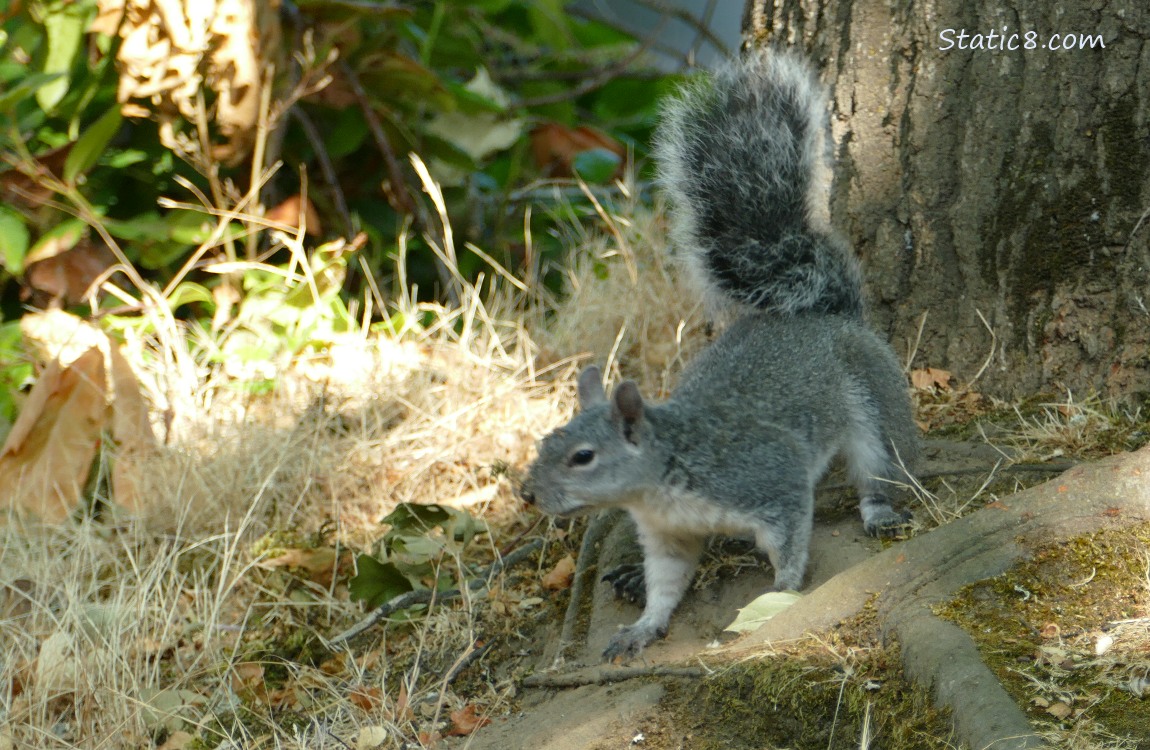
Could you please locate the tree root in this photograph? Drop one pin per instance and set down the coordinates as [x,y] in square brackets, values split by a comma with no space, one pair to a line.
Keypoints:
[929,569]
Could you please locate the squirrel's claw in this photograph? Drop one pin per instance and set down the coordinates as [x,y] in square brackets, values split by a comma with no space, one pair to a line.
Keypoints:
[629,642]
[891,524]
[628,582]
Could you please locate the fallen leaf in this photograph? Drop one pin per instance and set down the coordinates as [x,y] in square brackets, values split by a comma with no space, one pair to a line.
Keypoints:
[57,664]
[930,379]
[48,454]
[1059,710]
[319,563]
[370,738]
[402,710]
[366,698]
[131,431]
[177,741]
[1050,630]
[248,681]
[762,609]
[560,577]
[464,721]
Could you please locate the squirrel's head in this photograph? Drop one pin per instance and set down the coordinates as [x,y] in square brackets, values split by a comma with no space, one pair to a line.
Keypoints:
[598,458]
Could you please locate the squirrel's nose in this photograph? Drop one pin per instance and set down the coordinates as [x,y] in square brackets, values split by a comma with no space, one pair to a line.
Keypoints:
[527,495]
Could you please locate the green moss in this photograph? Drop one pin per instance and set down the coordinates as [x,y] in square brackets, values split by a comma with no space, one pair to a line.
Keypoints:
[1036,626]
[812,699]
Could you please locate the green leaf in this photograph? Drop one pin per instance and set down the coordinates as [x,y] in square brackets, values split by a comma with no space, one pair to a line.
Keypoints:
[376,583]
[64,25]
[59,239]
[596,165]
[13,241]
[21,91]
[91,144]
[409,517]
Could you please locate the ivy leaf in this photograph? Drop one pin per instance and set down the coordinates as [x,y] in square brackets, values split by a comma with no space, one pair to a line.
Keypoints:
[377,583]
[596,165]
[91,144]
[408,517]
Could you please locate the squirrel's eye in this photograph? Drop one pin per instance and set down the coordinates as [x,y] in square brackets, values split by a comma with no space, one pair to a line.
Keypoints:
[582,457]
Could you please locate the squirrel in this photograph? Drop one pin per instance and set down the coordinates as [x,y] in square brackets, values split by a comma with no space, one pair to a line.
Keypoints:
[794,380]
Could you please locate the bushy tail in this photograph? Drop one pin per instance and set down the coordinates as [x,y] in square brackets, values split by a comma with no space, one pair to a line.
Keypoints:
[740,156]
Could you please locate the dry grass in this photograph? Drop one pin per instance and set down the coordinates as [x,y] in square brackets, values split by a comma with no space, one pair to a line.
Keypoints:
[175,622]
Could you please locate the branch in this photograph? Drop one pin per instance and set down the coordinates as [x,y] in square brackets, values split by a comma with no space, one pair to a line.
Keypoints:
[423,596]
[604,676]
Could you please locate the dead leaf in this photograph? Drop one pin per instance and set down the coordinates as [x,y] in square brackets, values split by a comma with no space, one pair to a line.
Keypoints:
[1051,630]
[48,454]
[67,273]
[560,577]
[131,430]
[555,146]
[170,52]
[371,737]
[464,721]
[319,563]
[1059,710]
[930,379]
[288,213]
[248,681]
[402,709]
[366,698]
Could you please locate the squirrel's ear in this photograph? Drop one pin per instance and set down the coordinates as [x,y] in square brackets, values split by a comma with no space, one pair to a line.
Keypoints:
[590,387]
[628,407]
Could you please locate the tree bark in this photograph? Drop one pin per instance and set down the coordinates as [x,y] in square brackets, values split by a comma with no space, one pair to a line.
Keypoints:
[993,184]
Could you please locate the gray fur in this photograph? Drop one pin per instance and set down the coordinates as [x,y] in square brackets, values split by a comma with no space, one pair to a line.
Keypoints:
[740,157]
[758,416]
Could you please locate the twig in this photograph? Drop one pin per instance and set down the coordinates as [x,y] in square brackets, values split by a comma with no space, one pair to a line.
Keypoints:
[607,676]
[472,656]
[326,167]
[423,596]
[584,571]
[398,195]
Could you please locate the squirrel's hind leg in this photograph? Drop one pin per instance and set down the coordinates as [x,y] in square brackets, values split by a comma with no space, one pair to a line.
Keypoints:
[875,473]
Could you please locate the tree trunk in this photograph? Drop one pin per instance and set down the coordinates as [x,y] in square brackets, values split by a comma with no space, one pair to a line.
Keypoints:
[989,184]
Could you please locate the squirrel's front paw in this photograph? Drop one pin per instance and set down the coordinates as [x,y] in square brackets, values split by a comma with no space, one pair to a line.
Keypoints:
[629,642]
[889,524]
[628,583]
